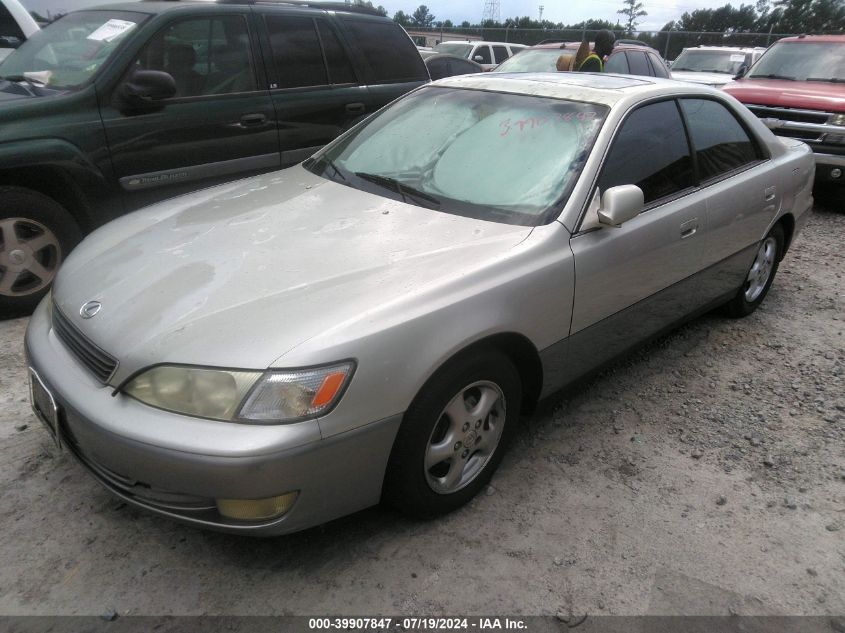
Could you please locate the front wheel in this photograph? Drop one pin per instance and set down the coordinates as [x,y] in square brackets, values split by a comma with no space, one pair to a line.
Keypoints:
[454,435]
[760,276]
[36,234]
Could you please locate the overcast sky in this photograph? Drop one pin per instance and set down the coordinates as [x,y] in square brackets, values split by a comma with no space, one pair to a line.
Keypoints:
[569,12]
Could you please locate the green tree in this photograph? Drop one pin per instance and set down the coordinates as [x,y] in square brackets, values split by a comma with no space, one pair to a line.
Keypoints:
[402,18]
[806,16]
[422,17]
[632,12]
[465,24]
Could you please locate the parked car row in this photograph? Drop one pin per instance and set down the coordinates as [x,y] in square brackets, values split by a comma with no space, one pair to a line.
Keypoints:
[796,87]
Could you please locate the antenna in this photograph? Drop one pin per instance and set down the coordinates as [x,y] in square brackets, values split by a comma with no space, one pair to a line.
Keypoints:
[541,12]
[491,11]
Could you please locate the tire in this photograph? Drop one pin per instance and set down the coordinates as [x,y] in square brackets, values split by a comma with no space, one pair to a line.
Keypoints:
[36,234]
[471,445]
[760,276]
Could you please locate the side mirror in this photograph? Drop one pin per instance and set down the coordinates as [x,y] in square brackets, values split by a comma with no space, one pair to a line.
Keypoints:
[620,204]
[741,72]
[478,58]
[144,89]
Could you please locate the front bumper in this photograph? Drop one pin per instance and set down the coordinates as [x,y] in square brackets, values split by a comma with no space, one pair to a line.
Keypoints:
[334,476]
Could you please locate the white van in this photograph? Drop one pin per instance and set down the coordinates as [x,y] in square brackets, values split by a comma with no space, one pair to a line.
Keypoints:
[16,25]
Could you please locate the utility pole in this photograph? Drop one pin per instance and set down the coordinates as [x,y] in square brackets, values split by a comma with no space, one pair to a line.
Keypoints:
[541,12]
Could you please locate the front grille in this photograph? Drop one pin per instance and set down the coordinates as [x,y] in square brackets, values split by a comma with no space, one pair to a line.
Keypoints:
[790,114]
[96,360]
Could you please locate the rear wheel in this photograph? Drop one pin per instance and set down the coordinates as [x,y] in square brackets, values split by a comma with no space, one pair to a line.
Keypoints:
[36,233]
[759,278]
[454,435]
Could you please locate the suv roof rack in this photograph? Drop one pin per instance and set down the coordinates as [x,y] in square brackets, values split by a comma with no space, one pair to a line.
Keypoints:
[314,4]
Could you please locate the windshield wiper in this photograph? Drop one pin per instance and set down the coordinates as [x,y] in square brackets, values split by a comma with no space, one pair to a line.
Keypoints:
[772,76]
[399,187]
[833,80]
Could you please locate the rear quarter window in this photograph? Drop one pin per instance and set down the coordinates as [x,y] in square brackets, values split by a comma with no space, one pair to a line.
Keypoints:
[386,49]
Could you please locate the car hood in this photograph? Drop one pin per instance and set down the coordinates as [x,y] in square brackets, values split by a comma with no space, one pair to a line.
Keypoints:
[240,274]
[708,79]
[808,95]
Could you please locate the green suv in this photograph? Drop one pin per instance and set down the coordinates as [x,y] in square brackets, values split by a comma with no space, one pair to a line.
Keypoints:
[110,109]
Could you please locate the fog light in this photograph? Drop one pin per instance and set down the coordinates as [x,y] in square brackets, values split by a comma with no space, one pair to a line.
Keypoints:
[835,172]
[256,509]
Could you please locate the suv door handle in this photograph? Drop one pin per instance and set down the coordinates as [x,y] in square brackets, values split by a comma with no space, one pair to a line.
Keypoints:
[770,194]
[689,228]
[249,120]
[355,108]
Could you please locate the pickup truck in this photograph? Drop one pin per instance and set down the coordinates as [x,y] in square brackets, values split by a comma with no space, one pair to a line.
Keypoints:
[798,89]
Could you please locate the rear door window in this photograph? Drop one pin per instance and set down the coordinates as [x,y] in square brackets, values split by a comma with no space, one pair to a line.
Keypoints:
[638,63]
[9,28]
[340,68]
[658,66]
[657,131]
[617,63]
[296,51]
[721,144]
[386,49]
[484,53]
[500,53]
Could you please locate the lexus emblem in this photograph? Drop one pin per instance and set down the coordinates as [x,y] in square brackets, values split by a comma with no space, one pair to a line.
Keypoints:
[89,309]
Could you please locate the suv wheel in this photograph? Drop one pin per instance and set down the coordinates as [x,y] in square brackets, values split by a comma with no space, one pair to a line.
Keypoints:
[36,233]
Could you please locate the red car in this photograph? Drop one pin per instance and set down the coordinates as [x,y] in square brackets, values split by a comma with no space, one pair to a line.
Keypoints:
[627,58]
[798,88]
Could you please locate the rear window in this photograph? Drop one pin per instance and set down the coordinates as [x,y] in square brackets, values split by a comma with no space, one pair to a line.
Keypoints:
[387,50]
[638,63]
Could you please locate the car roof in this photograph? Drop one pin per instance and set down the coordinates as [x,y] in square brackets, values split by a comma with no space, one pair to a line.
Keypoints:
[813,38]
[474,42]
[163,6]
[742,49]
[604,88]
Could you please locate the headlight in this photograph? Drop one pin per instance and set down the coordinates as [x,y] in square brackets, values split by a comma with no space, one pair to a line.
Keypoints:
[248,396]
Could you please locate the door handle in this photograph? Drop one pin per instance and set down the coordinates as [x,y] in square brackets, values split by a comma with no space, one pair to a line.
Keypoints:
[770,194]
[250,120]
[689,228]
[355,108]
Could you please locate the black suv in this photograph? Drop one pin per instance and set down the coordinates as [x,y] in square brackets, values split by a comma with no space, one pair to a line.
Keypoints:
[113,108]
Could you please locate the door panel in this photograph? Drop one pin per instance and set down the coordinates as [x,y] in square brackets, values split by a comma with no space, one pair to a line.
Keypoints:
[634,280]
[220,125]
[743,194]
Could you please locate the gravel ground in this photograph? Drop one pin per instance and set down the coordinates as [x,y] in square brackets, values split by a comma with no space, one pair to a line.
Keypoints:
[703,475]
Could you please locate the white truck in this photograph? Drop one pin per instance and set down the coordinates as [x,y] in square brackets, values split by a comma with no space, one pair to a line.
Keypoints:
[16,25]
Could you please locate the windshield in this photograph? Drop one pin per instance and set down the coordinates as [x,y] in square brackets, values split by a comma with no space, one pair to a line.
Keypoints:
[69,51]
[540,60]
[493,156]
[461,49]
[727,62]
[802,61]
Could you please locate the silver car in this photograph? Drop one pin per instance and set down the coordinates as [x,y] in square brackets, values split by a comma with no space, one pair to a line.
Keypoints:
[273,353]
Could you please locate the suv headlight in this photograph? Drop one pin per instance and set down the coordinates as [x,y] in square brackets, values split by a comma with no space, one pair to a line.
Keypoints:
[271,397]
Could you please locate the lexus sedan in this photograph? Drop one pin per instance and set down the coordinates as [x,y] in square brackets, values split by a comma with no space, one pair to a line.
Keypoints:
[270,354]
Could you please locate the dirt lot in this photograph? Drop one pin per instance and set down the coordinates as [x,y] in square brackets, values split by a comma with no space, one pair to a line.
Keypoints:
[704,475]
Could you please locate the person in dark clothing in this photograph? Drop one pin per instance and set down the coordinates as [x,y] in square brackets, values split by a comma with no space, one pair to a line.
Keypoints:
[594,63]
